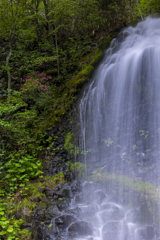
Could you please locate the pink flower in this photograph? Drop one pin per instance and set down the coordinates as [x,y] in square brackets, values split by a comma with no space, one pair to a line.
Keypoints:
[44,78]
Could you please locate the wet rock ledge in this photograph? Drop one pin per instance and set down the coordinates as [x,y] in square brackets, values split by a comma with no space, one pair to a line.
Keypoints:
[53,216]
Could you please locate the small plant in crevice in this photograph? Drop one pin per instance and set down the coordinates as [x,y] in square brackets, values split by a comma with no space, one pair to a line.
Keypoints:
[78,168]
[68,144]
[51,182]
[70,147]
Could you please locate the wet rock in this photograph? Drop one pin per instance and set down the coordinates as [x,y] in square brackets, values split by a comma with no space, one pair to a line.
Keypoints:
[51,194]
[146,232]
[88,211]
[74,211]
[63,205]
[96,221]
[64,221]
[84,197]
[40,213]
[75,187]
[145,215]
[99,196]
[79,198]
[65,191]
[52,212]
[53,229]
[40,231]
[62,236]
[111,212]
[132,216]
[80,229]
[115,230]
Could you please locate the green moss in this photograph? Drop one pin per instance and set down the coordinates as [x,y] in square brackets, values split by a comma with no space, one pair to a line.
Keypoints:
[66,93]
[68,144]
[106,42]
[77,167]
[51,182]
[86,71]
[96,58]
[141,187]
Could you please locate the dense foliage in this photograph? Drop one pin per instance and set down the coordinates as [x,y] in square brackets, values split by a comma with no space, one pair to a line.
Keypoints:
[50,48]
[51,36]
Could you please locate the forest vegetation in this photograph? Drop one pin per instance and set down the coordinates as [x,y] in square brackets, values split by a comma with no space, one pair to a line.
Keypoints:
[48,50]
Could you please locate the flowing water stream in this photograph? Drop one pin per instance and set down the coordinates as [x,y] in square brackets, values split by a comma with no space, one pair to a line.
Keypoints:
[120,142]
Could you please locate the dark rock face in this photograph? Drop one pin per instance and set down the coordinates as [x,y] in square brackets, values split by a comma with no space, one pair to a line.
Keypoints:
[81,229]
[64,221]
[47,220]
[52,212]
[57,161]
[40,231]
[52,220]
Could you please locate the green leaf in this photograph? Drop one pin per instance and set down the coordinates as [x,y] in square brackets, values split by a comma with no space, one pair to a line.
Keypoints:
[10,229]
[22,185]
[8,176]
[2,233]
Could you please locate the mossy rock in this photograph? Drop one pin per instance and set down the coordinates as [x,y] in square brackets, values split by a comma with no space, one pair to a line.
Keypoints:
[96,57]
[106,42]
[150,191]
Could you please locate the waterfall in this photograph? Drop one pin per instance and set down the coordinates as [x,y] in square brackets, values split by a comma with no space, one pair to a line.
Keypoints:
[119,144]
[120,139]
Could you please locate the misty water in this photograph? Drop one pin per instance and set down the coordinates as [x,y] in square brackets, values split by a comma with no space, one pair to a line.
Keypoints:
[120,141]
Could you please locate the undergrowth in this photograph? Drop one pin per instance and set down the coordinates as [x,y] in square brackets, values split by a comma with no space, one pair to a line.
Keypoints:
[25,116]
[13,208]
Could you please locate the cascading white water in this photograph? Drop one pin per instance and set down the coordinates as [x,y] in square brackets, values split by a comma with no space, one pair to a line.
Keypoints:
[120,144]
[120,139]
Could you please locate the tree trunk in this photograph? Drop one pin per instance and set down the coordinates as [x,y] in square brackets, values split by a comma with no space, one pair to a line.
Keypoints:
[8,70]
[57,50]
[140,12]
